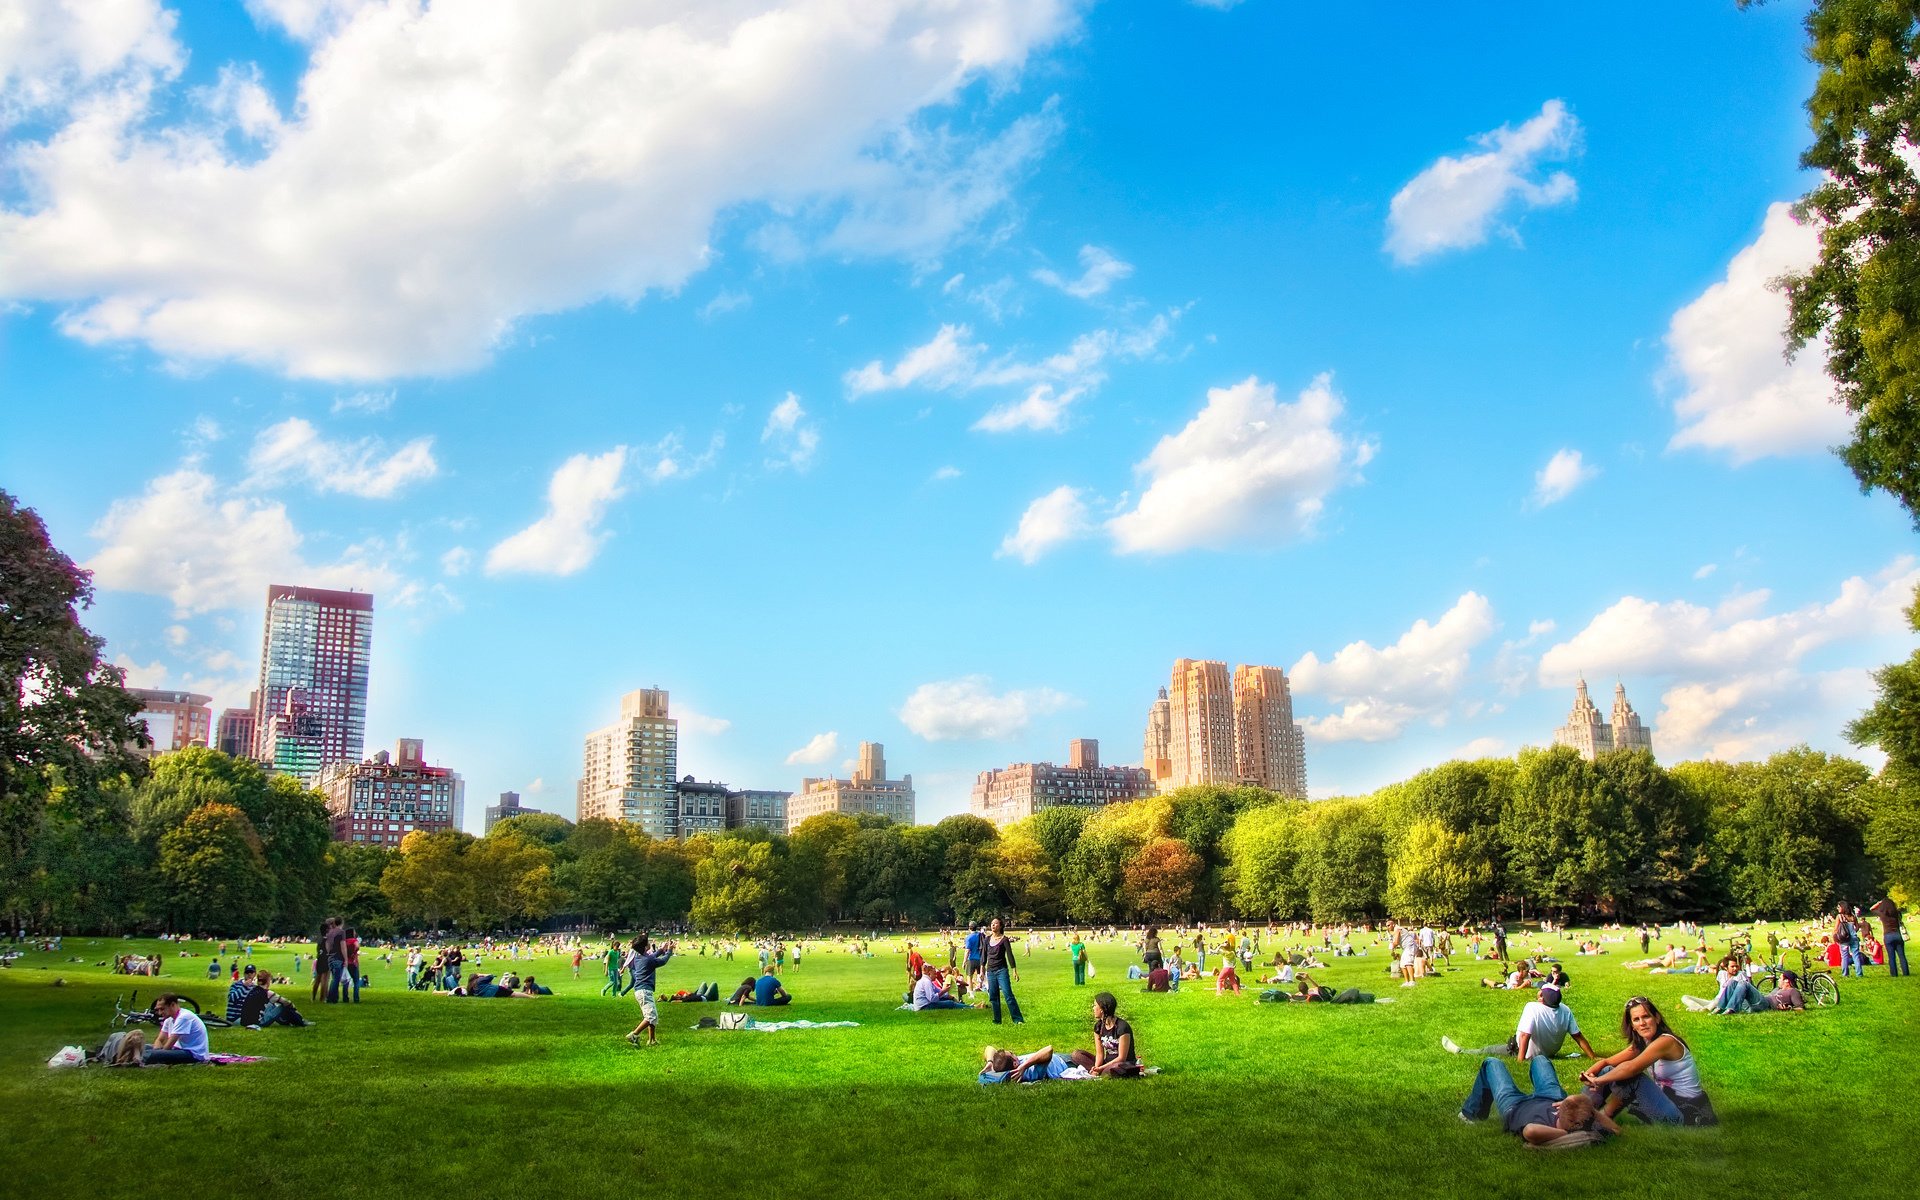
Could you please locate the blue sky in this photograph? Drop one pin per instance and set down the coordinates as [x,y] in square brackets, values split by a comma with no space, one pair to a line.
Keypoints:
[936,374]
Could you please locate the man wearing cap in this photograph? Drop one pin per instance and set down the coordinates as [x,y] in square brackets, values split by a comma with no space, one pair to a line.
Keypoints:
[1545,1025]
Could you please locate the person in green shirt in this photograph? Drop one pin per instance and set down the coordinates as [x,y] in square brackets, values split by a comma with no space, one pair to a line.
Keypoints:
[613,969]
[1078,950]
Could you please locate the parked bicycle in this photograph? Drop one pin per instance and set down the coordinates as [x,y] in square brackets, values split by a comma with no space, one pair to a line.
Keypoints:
[1817,983]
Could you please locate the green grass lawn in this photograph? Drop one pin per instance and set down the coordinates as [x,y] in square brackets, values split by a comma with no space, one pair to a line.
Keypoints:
[424,1095]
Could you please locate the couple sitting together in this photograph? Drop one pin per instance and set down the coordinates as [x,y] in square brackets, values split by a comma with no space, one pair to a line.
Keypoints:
[764,992]
[1114,1054]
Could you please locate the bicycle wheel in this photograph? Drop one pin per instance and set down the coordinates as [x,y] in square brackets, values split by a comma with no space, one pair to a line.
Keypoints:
[1822,990]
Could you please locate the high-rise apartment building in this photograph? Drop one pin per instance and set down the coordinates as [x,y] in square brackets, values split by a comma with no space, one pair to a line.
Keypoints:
[1591,736]
[1209,726]
[310,710]
[175,720]
[233,733]
[630,771]
[869,791]
[382,800]
[1270,749]
[1010,794]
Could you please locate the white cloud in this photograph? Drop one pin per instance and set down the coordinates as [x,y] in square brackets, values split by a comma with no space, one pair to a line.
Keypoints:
[946,473]
[819,748]
[1456,202]
[1099,270]
[1557,480]
[1705,570]
[946,361]
[789,436]
[1385,689]
[461,168]
[967,709]
[1482,747]
[568,537]
[370,403]
[1043,410]
[699,722]
[1059,516]
[456,561]
[184,540]
[725,301]
[1642,637]
[1248,469]
[295,450]
[1754,715]
[668,458]
[1728,347]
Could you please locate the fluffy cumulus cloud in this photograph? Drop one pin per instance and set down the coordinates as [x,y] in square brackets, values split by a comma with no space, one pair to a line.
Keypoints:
[566,539]
[1728,350]
[1099,270]
[821,747]
[1383,689]
[1564,472]
[947,360]
[295,450]
[464,166]
[1059,516]
[789,437]
[1248,470]
[204,549]
[1458,202]
[967,709]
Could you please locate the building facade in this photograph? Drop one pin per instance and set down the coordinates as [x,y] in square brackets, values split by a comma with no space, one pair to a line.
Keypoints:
[310,710]
[1010,794]
[1589,736]
[382,800]
[233,733]
[630,771]
[175,720]
[702,807]
[1209,726]
[509,806]
[869,791]
[751,807]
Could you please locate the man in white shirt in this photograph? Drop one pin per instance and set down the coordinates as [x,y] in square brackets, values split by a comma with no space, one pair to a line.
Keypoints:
[183,1036]
[1545,1025]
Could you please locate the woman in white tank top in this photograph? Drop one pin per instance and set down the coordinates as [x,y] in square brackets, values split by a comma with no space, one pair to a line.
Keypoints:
[1655,1077]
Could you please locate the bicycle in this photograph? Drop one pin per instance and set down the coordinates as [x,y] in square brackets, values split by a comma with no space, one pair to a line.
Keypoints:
[124,1012]
[1817,983]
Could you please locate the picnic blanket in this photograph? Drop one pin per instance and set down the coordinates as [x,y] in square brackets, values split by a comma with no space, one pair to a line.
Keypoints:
[780,1026]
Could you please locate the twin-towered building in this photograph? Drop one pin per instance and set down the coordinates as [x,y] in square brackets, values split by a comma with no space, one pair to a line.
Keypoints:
[1590,736]
[1209,727]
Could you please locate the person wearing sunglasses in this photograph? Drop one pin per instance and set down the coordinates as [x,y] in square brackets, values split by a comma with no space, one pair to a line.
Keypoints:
[1654,1077]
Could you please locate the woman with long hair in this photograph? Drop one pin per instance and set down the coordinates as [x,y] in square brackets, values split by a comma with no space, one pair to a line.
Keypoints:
[1114,1052]
[1655,1077]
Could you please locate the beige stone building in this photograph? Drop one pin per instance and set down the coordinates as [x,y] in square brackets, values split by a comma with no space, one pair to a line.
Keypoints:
[630,770]
[1010,794]
[1209,726]
[869,791]
[1590,736]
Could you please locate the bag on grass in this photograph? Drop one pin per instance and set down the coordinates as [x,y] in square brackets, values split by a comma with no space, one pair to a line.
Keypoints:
[733,1020]
[69,1056]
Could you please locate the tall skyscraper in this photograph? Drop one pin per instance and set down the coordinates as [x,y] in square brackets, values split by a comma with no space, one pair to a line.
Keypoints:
[1270,749]
[311,707]
[631,767]
[1208,726]
[1591,736]
[869,791]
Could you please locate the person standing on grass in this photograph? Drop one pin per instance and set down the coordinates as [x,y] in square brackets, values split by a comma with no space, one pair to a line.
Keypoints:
[1077,950]
[645,962]
[974,939]
[350,947]
[1846,935]
[1893,934]
[996,958]
[612,957]
[320,960]
[578,955]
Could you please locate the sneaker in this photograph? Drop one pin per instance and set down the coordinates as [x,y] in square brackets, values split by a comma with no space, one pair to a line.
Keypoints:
[633,1039]
[1449,1045]
[1464,1118]
[1406,985]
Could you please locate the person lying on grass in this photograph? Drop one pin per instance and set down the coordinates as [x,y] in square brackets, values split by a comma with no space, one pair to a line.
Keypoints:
[1740,996]
[1545,1025]
[1003,1066]
[1655,1077]
[1540,1119]
[482,985]
[530,988]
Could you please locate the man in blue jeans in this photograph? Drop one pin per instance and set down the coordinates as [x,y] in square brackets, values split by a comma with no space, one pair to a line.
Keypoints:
[183,1036]
[1546,1116]
[1893,935]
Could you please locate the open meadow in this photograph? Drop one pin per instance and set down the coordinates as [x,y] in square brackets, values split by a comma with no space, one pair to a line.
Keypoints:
[418,1094]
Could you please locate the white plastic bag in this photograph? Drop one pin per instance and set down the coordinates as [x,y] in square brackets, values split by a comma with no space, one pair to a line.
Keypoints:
[69,1056]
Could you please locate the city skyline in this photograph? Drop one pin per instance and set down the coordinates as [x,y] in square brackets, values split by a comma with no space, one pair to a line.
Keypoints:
[946,414]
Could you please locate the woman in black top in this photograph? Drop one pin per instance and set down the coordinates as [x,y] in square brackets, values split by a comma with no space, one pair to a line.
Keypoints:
[996,950]
[1114,1053]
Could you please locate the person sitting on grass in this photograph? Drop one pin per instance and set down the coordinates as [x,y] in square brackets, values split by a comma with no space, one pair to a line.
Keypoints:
[1003,1066]
[1740,996]
[1545,1025]
[1157,979]
[237,995]
[1283,975]
[1655,1077]
[183,1035]
[1114,1053]
[928,993]
[767,992]
[1540,1119]
[1522,976]
[742,994]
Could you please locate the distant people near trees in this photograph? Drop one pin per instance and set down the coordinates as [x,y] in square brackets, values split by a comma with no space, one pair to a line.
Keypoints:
[1546,1022]
[1655,1077]
[976,939]
[350,948]
[612,958]
[183,1035]
[997,961]
[1409,947]
[1077,953]
[768,991]
[336,961]
[1893,935]
[319,989]
[646,960]
[1115,1053]
[1543,1118]
[1150,956]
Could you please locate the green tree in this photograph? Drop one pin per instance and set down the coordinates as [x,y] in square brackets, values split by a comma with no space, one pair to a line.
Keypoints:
[1437,874]
[353,875]
[1057,829]
[544,829]
[1893,725]
[509,883]
[1567,843]
[1266,856]
[1863,295]
[213,873]
[427,881]
[826,846]
[734,886]
[1026,876]
[1345,862]
[1792,830]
